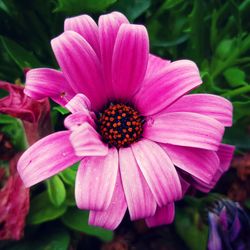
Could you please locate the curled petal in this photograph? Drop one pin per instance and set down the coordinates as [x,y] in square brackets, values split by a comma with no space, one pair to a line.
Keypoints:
[158,170]
[130,60]
[41,83]
[141,203]
[225,154]
[77,119]
[79,102]
[163,89]
[47,157]
[163,216]
[111,217]
[95,181]
[200,163]
[185,129]
[87,142]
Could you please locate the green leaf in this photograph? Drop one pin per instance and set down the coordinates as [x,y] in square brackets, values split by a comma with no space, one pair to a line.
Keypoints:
[78,220]
[224,48]
[50,238]
[235,77]
[132,8]
[69,175]
[42,210]
[61,110]
[70,196]
[73,7]
[169,4]
[197,29]
[238,136]
[241,109]
[13,128]
[22,57]
[190,228]
[56,191]
[247,203]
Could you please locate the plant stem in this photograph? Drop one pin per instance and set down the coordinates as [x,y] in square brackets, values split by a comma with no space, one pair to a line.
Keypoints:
[238,91]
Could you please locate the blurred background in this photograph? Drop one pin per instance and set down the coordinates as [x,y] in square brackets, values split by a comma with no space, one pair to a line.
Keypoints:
[215,34]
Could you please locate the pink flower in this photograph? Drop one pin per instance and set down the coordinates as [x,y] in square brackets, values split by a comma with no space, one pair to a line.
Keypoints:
[138,136]
[14,203]
[35,115]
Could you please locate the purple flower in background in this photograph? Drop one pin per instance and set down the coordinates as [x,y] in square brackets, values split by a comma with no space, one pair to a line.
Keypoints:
[229,227]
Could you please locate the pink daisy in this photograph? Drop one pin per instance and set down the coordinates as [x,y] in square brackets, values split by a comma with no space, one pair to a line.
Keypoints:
[139,138]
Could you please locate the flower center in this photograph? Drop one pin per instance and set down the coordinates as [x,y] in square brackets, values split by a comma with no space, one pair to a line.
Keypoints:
[120,125]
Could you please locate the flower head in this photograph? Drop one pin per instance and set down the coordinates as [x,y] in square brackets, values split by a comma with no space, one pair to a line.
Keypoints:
[229,226]
[132,127]
[14,203]
[35,115]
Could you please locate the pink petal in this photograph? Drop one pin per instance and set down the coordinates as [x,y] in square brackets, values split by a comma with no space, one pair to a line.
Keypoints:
[199,163]
[41,83]
[47,157]
[95,181]
[184,185]
[87,142]
[108,28]
[130,59]
[155,66]
[158,170]
[86,27]
[79,102]
[80,66]
[163,89]
[213,106]
[164,215]
[75,120]
[225,154]
[141,203]
[184,129]
[111,217]
[206,187]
